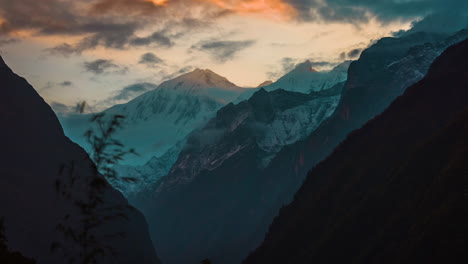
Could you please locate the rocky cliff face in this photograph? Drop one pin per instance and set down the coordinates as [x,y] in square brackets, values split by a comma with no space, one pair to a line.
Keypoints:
[394,190]
[44,177]
[267,121]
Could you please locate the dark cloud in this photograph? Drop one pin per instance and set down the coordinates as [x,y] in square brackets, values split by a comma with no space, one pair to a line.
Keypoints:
[159,38]
[132,91]
[6,41]
[123,36]
[185,69]
[351,54]
[150,59]
[342,55]
[354,53]
[118,39]
[364,10]
[288,64]
[66,83]
[223,50]
[45,15]
[449,23]
[116,36]
[64,49]
[102,66]
[50,85]
[113,36]
[105,23]
[115,24]
[165,76]
[126,94]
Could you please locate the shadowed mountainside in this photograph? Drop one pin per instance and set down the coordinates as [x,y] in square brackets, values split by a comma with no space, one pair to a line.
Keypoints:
[395,190]
[37,160]
[213,182]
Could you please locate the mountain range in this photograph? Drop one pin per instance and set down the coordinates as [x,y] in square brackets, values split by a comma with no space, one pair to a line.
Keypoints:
[217,162]
[163,116]
[304,79]
[227,189]
[395,190]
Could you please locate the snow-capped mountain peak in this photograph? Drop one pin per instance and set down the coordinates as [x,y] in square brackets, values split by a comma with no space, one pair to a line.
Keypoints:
[304,78]
[265,83]
[201,79]
[165,115]
[304,67]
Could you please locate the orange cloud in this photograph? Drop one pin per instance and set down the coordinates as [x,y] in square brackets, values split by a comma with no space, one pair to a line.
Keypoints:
[158,2]
[272,9]
[275,9]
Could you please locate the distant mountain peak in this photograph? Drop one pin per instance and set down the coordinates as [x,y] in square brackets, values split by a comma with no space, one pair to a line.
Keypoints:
[203,73]
[265,83]
[306,66]
[207,78]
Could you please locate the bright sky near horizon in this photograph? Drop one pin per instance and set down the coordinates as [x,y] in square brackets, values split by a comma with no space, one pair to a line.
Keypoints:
[91,49]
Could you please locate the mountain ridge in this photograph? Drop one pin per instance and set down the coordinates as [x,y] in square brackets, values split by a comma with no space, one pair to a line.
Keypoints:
[400,199]
[303,79]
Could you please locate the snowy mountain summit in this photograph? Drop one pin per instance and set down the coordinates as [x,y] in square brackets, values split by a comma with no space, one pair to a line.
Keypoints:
[158,119]
[208,78]
[304,79]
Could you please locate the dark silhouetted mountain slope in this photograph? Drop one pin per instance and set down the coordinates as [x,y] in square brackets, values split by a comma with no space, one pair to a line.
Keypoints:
[40,216]
[381,74]
[395,191]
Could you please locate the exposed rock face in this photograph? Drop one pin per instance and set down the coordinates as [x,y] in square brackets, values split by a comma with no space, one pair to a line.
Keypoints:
[37,158]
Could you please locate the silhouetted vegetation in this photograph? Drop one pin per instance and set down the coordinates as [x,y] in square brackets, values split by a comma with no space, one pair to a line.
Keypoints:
[7,256]
[106,151]
[80,107]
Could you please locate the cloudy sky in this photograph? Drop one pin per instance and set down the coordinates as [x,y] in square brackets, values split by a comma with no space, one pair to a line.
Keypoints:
[107,51]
